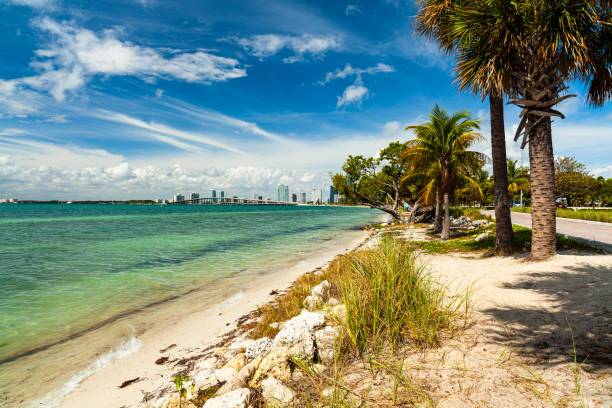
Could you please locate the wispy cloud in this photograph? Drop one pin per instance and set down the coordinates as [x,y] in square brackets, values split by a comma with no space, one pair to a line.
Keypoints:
[266,45]
[167,131]
[210,116]
[352,9]
[36,4]
[349,71]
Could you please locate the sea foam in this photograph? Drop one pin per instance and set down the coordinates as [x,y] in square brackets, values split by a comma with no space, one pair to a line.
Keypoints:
[54,398]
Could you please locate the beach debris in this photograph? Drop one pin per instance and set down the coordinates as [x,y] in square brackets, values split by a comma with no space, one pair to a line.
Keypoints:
[258,348]
[167,348]
[235,399]
[161,360]
[482,236]
[326,339]
[298,334]
[128,382]
[276,364]
[275,392]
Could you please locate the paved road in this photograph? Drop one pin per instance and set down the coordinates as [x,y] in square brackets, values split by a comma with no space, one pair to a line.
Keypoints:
[576,228]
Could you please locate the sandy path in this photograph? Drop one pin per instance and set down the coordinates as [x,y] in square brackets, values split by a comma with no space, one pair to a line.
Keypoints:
[519,351]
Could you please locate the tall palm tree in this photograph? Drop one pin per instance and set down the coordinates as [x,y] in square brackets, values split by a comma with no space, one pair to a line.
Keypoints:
[442,142]
[517,180]
[533,48]
[434,21]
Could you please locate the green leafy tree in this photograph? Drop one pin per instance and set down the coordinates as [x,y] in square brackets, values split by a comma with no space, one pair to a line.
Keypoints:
[572,181]
[517,179]
[443,142]
[377,182]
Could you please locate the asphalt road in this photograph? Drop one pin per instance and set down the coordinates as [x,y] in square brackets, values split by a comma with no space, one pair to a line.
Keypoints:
[601,232]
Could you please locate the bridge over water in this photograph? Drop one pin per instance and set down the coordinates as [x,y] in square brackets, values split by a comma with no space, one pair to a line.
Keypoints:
[230,201]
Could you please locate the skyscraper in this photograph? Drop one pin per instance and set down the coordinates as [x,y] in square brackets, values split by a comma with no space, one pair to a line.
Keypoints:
[193,196]
[282,193]
[303,198]
[294,198]
[317,196]
[214,196]
[332,194]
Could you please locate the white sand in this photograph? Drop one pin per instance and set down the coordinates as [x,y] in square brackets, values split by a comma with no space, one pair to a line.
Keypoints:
[190,333]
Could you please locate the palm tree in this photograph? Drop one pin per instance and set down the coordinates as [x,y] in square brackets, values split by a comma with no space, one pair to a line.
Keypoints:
[434,21]
[517,180]
[441,143]
[533,48]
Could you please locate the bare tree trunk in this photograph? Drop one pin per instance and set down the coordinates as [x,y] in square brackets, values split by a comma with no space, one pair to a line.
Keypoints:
[438,217]
[446,225]
[543,211]
[503,223]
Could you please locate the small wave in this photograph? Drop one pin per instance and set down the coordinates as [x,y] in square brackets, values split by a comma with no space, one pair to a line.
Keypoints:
[54,398]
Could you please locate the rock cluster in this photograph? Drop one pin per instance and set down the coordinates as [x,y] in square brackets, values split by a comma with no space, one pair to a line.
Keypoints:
[264,364]
[465,222]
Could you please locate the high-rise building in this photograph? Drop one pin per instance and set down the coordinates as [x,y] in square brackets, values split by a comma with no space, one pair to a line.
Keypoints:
[213,194]
[193,196]
[294,198]
[255,196]
[221,195]
[317,196]
[282,193]
[178,197]
[332,194]
[303,198]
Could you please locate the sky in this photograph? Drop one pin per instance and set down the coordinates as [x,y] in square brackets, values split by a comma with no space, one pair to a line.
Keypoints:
[143,99]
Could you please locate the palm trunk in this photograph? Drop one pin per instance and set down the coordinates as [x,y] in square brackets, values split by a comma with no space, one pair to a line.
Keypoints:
[438,219]
[543,216]
[446,225]
[503,223]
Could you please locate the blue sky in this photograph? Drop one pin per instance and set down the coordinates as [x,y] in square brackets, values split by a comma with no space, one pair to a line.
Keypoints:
[146,98]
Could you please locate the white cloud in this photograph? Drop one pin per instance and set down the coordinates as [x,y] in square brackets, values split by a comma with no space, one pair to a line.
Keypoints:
[168,131]
[307,178]
[76,54]
[266,45]
[12,132]
[352,9]
[352,95]
[605,171]
[32,3]
[393,127]
[349,71]
[57,119]
[16,100]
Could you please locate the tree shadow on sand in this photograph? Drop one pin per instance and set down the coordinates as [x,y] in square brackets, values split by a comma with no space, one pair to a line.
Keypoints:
[582,296]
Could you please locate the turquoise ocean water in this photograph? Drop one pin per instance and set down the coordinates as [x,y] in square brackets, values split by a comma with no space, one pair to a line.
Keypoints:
[67,271]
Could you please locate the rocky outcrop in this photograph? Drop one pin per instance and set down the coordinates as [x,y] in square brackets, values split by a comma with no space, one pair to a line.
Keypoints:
[275,364]
[326,340]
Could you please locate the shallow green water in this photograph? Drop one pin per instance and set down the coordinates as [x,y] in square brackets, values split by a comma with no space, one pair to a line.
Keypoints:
[65,268]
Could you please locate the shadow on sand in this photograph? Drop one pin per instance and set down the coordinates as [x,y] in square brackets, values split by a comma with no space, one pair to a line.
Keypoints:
[582,298]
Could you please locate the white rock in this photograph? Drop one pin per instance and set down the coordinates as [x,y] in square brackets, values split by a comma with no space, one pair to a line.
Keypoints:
[333,302]
[312,302]
[321,289]
[224,374]
[326,343]
[275,392]
[298,334]
[482,236]
[234,399]
[258,348]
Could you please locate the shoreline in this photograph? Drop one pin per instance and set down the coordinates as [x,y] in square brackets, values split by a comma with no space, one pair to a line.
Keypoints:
[190,333]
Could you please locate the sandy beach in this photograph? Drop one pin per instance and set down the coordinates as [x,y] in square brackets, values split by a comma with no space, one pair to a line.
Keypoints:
[189,334]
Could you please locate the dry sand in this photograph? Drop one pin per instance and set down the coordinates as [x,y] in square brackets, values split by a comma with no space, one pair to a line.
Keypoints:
[191,334]
[518,351]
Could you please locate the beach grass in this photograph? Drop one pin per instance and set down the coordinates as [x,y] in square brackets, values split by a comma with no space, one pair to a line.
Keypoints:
[391,298]
[588,215]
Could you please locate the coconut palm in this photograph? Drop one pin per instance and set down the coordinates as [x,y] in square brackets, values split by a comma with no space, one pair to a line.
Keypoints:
[517,180]
[434,21]
[442,142]
[532,48]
